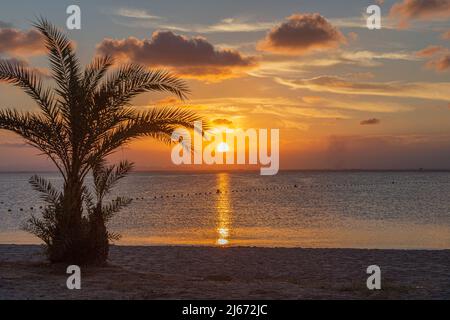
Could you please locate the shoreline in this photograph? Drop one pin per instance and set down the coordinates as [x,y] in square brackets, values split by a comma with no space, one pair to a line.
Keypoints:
[201,272]
[225,247]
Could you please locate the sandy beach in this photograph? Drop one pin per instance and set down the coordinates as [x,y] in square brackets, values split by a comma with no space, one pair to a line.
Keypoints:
[229,273]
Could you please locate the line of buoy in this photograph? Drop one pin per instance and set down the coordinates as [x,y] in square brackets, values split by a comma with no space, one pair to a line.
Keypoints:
[295,186]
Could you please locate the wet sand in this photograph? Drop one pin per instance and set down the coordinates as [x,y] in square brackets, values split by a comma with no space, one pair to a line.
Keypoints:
[229,273]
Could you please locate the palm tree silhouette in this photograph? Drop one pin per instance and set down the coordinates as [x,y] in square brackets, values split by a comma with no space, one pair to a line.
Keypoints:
[85,118]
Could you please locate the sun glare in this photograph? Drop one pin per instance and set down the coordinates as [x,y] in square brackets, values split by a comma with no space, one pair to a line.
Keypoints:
[223,147]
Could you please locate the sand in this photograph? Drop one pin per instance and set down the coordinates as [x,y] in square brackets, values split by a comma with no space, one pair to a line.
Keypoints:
[229,273]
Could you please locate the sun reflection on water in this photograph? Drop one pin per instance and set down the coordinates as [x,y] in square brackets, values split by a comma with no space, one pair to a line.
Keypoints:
[224,211]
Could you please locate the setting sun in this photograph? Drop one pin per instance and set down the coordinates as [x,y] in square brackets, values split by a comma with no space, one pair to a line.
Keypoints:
[223,147]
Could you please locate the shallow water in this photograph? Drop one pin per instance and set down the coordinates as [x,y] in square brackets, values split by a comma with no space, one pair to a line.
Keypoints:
[326,209]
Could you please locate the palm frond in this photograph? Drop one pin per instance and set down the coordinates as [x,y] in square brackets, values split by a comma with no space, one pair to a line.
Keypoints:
[95,71]
[113,236]
[114,207]
[130,80]
[40,228]
[88,199]
[38,132]
[29,81]
[63,61]
[158,123]
[48,193]
[106,177]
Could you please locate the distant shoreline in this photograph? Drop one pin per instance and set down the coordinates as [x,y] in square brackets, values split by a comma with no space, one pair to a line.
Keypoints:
[162,171]
[174,272]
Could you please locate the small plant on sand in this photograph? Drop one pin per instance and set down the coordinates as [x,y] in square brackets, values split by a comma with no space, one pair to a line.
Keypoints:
[82,120]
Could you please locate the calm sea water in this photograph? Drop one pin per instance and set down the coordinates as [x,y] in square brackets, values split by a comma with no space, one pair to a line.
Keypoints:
[326,209]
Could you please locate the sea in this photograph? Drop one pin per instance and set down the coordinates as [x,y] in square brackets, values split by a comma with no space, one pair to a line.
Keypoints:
[309,209]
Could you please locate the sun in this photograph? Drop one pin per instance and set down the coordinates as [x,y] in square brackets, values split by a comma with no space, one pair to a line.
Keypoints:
[222,147]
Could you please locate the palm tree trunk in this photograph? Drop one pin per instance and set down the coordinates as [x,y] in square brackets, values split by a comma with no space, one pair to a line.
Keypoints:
[70,245]
[98,238]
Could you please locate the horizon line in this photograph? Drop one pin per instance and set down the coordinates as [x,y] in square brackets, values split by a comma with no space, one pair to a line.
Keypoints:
[250,170]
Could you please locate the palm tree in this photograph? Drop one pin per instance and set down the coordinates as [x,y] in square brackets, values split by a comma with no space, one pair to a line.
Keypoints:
[85,118]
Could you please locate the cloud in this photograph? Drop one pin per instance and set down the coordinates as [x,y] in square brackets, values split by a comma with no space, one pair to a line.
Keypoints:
[235,25]
[24,43]
[368,58]
[370,122]
[138,18]
[430,51]
[440,63]
[282,66]
[245,111]
[333,84]
[136,14]
[426,10]
[439,57]
[43,72]
[189,57]
[223,122]
[354,103]
[302,33]
[168,101]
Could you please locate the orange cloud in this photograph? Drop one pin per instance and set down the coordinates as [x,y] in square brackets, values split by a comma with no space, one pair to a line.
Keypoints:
[43,72]
[370,122]
[189,57]
[25,43]
[421,10]
[439,57]
[223,122]
[430,51]
[333,84]
[301,34]
[167,101]
[440,63]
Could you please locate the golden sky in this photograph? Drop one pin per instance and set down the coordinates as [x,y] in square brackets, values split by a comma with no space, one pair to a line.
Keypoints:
[343,96]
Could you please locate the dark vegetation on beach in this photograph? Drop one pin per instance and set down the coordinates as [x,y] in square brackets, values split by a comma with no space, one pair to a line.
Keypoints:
[82,120]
